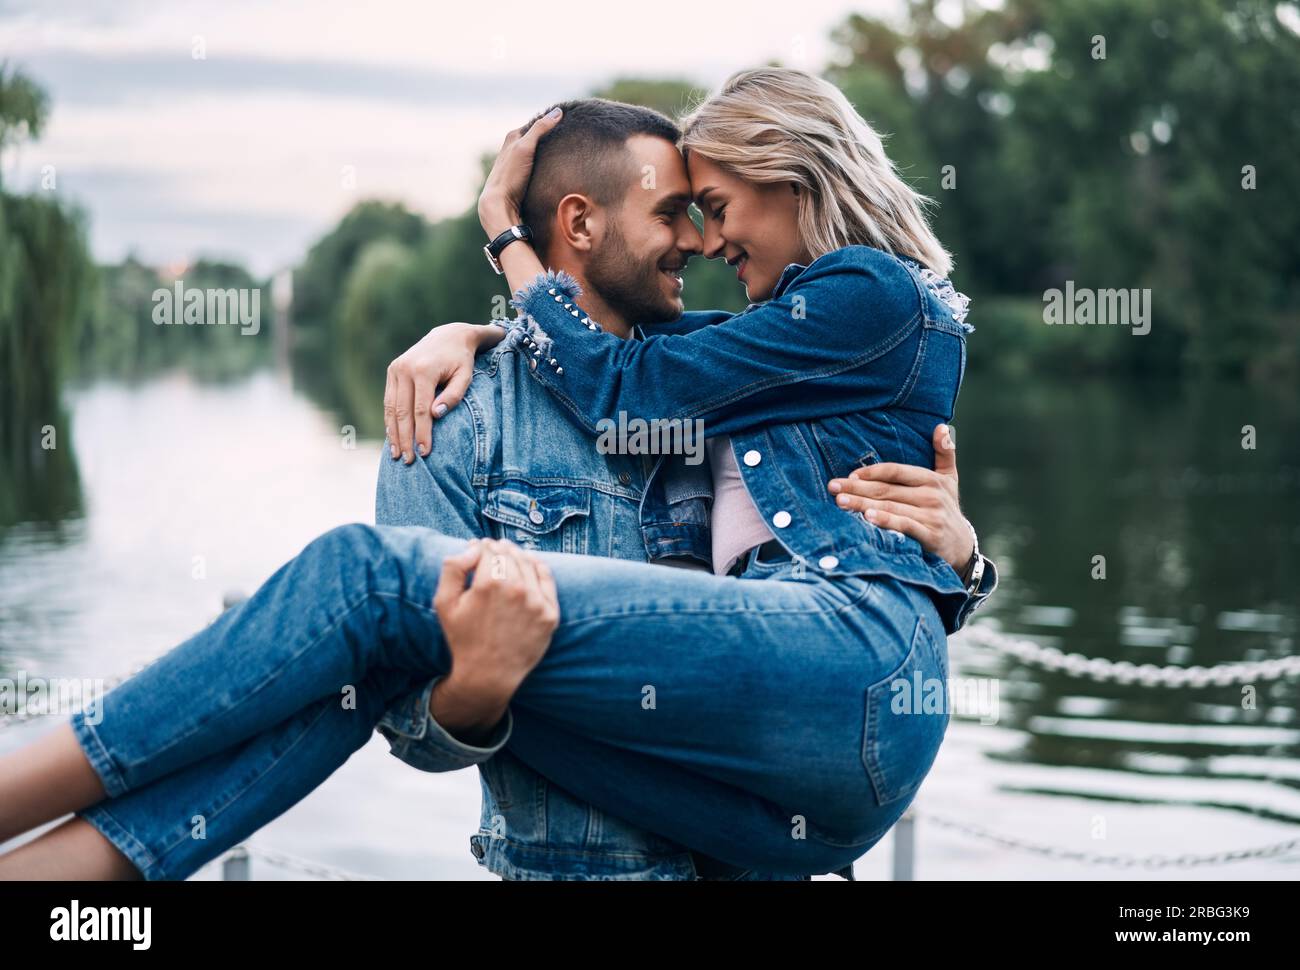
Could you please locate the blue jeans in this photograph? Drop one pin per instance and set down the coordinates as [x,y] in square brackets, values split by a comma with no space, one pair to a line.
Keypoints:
[755,719]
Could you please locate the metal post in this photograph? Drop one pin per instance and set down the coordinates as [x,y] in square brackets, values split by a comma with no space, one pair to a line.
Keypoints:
[905,848]
[237,865]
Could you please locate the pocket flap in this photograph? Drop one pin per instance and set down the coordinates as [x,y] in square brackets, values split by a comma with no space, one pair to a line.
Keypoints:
[536,508]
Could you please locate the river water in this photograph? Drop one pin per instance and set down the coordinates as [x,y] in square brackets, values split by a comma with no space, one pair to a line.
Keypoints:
[186,491]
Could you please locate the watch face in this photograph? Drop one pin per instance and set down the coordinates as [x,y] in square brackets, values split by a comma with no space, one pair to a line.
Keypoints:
[492,261]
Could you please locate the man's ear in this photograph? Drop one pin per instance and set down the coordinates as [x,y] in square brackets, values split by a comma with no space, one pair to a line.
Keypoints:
[575,219]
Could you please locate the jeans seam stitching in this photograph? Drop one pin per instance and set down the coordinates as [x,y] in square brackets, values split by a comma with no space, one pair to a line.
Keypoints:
[137,852]
[817,611]
[100,755]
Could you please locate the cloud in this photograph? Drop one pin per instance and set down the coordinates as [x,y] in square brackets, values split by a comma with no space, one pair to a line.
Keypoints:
[82,77]
[241,152]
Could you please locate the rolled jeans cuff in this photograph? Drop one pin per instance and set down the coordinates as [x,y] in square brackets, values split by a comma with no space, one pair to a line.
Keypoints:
[110,776]
[415,736]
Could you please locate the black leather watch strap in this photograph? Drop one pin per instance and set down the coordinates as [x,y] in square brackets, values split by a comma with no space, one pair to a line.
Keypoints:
[493,249]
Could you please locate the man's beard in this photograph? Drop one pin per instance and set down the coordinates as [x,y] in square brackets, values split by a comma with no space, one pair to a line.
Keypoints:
[632,288]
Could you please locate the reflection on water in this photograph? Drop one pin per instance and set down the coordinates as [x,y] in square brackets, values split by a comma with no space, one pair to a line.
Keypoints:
[180,492]
[191,491]
[1200,539]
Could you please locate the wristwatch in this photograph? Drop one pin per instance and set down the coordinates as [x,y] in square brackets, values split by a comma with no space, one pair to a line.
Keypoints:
[493,249]
[973,574]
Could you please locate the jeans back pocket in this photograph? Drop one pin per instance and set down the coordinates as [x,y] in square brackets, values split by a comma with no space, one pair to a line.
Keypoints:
[907,716]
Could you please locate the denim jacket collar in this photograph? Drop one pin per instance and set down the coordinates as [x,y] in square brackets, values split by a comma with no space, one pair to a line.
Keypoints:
[787,276]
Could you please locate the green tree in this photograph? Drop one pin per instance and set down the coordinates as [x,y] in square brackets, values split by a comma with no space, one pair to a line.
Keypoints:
[1118,171]
[44,268]
[669,96]
[318,282]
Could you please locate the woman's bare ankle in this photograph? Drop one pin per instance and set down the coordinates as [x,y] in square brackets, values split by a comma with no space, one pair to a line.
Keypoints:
[44,780]
[74,850]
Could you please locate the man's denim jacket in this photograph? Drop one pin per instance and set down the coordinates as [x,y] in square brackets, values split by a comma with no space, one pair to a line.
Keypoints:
[508,462]
[511,462]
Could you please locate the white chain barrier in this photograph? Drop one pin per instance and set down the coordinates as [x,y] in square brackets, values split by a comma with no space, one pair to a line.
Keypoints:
[1097,859]
[1102,670]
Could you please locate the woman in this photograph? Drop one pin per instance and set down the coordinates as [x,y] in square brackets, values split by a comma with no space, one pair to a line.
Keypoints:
[831,639]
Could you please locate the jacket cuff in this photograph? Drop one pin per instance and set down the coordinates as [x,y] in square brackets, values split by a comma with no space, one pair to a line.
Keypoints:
[988,583]
[545,295]
[415,737]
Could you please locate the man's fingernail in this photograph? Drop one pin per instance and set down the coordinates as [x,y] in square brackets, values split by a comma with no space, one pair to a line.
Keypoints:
[439,410]
[843,500]
[554,112]
[392,450]
[424,449]
[836,487]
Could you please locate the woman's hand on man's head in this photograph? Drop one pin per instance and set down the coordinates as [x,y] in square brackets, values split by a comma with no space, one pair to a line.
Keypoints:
[502,198]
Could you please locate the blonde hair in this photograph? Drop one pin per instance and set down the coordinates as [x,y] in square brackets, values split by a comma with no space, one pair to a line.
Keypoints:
[776,124]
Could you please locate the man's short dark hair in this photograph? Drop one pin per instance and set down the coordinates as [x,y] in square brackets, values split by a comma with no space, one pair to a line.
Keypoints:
[586,153]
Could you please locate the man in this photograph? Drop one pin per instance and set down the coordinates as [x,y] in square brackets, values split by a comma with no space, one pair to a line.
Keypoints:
[510,463]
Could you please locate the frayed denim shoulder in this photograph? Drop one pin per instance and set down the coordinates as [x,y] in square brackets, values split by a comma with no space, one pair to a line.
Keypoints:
[524,333]
[957,303]
[561,282]
[531,301]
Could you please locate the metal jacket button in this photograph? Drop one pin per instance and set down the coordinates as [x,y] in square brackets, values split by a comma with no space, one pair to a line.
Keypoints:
[624,478]
[535,517]
[752,458]
[828,562]
[781,519]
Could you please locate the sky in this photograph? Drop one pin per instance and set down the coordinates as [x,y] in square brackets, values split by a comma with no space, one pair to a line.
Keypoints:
[245,130]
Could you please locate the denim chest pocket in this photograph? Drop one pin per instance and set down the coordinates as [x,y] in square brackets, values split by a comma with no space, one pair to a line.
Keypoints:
[906,718]
[548,518]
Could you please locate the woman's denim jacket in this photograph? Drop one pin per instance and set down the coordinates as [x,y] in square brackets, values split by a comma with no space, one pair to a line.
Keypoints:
[491,473]
[852,361]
